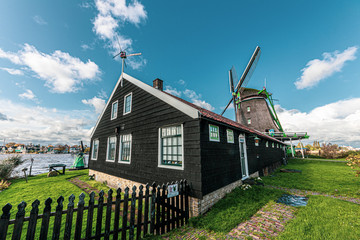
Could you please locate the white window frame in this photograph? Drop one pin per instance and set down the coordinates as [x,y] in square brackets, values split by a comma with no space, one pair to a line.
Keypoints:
[218,130]
[227,136]
[107,150]
[267,144]
[124,113]
[112,108]
[120,149]
[92,150]
[160,150]
[273,145]
[248,109]
[249,121]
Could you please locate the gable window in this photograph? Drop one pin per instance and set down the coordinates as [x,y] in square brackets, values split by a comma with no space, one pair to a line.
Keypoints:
[214,133]
[277,145]
[171,147]
[248,109]
[127,103]
[111,149]
[230,135]
[125,148]
[114,110]
[249,121]
[267,144]
[95,149]
[272,145]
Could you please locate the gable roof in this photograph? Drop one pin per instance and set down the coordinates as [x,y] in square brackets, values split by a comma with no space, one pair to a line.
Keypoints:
[182,105]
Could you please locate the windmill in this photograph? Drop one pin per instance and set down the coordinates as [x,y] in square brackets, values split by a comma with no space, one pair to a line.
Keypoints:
[123,55]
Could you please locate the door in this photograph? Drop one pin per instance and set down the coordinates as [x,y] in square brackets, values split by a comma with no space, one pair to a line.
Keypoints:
[243,157]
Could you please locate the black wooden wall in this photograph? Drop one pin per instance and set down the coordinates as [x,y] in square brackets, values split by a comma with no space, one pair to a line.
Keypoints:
[148,114]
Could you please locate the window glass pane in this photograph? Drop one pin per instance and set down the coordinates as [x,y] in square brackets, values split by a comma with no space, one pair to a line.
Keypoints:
[128,104]
[171,145]
[125,145]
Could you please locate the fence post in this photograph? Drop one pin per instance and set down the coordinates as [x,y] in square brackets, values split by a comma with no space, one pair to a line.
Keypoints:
[79,216]
[99,215]
[117,214]
[4,220]
[182,209]
[69,217]
[158,201]
[90,216]
[108,214]
[139,217]
[163,219]
[177,207]
[146,212]
[172,207]
[132,213]
[125,213]
[167,208]
[46,218]
[152,208]
[58,216]
[187,188]
[32,221]
[19,221]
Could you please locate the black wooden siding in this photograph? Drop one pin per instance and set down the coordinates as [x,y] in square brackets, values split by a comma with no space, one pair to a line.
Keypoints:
[148,114]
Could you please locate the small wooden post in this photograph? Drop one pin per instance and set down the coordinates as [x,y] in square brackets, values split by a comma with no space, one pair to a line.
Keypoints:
[132,213]
[152,209]
[58,216]
[45,220]
[158,205]
[32,221]
[117,214]
[79,216]
[139,217]
[4,220]
[146,212]
[69,217]
[172,204]
[125,213]
[19,221]
[177,207]
[108,214]
[167,200]
[182,209]
[163,197]
[99,215]
[90,216]
[187,189]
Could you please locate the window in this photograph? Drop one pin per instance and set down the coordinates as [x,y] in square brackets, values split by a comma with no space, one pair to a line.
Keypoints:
[272,145]
[111,149]
[214,133]
[171,147]
[277,145]
[114,110]
[267,144]
[95,149]
[125,148]
[249,121]
[248,109]
[127,103]
[230,136]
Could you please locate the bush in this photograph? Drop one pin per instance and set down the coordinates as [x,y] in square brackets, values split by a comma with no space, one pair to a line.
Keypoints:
[4,184]
[354,163]
[8,165]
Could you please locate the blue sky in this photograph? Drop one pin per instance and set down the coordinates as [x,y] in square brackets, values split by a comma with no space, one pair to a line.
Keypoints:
[57,70]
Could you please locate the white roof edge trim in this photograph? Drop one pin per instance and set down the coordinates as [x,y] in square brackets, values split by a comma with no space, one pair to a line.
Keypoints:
[188,110]
[106,105]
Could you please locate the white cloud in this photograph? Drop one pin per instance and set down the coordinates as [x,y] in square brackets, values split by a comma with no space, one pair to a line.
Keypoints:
[61,72]
[337,122]
[28,94]
[195,98]
[181,82]
[96,102]
[86,47]
[48,125]
[317,69]
[172,91]
[13,71]
[39,20]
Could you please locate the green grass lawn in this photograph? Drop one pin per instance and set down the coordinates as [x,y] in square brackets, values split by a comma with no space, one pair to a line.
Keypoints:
[333,178]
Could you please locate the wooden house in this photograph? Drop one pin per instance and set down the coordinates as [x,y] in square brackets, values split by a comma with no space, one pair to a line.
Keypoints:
[146,135]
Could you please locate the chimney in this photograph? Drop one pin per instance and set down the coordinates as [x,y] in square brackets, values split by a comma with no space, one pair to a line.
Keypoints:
[158,84]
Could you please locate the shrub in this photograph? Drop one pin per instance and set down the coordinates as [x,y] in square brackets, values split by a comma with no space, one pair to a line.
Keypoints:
[4,184]
[354,163]
[8,165]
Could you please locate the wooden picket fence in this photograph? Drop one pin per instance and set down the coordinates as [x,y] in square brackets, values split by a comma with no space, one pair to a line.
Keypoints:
[156,214]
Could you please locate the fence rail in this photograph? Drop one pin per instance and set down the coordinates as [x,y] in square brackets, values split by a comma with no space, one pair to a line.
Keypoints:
[126,216]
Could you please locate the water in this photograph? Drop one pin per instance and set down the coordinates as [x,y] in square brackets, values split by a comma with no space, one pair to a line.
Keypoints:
[293,200]
[42,161]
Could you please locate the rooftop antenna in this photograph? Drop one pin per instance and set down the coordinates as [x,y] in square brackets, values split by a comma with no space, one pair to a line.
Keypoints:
[123,56]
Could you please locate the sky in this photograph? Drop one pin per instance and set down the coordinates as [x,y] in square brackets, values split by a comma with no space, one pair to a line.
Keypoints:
[57,68]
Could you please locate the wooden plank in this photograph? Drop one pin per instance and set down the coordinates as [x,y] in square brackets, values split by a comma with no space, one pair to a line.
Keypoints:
[117,214]
[19,221]
[125,214]
[69,217]
[146,211]
[186,201]
[4,220]
[177,206]
[99,215]
[45,220]
[172,203]
[182,202]
[163,198]
[90,216]
[79,216]
[167,200]
[139,216]
[30,235]
[132,213]
[158,212]
[152,208]
[58,216]
[108,214]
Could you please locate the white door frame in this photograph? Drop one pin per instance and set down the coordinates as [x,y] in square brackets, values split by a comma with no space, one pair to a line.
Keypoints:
[243,140]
